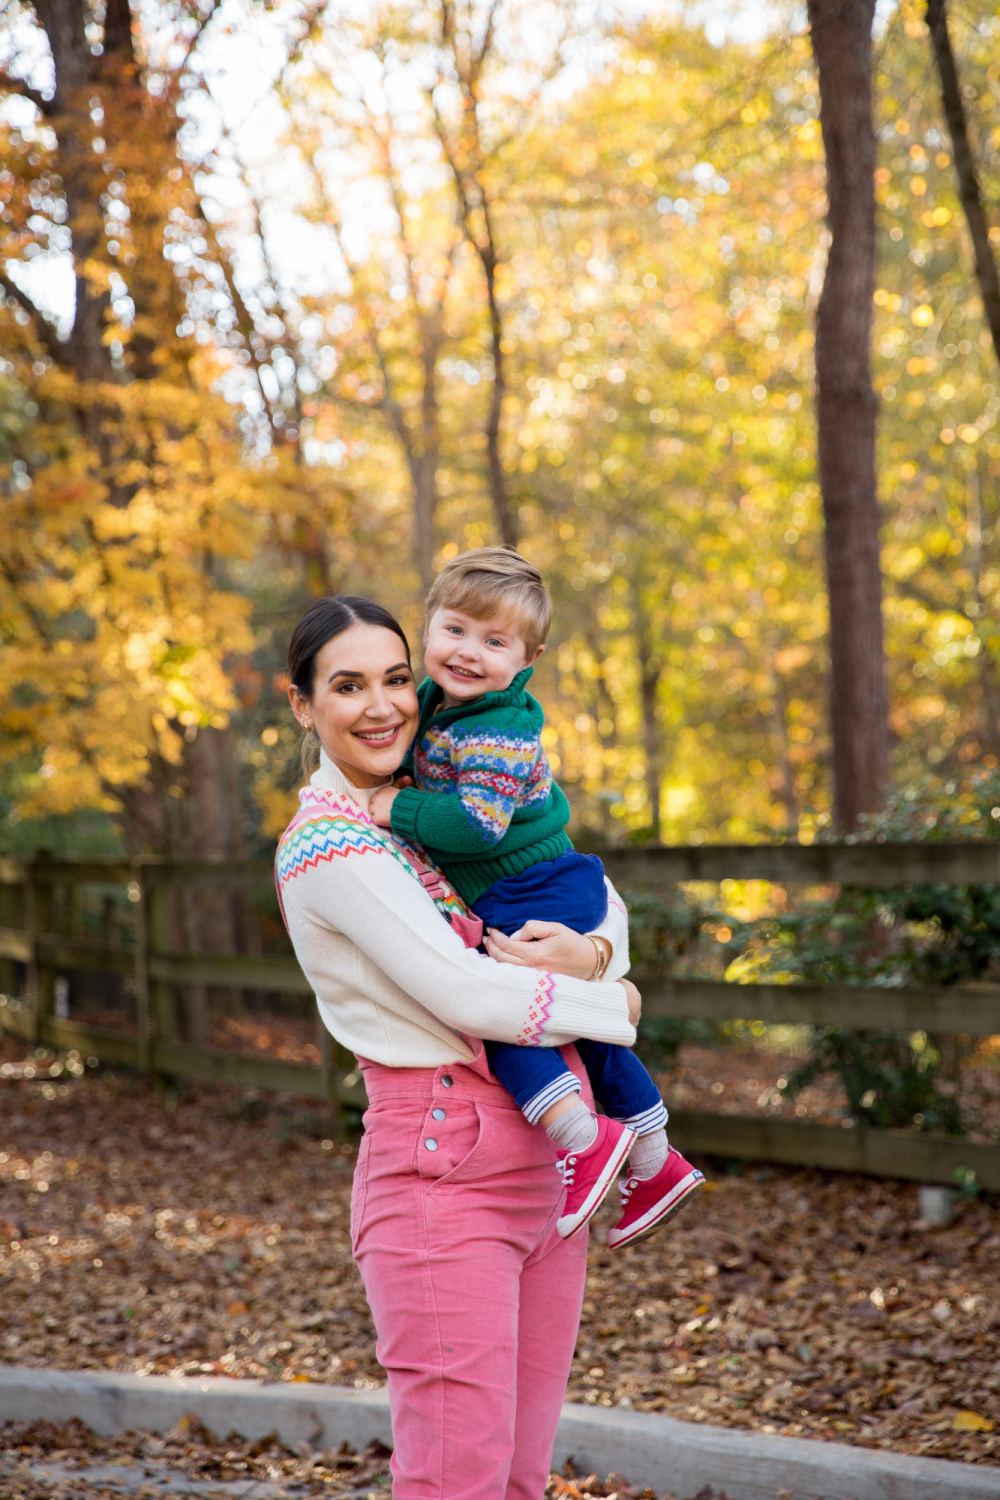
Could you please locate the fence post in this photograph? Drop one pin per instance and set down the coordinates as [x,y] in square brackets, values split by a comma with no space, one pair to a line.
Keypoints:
[162,996]
[38,920]
[142,943]
[11,916]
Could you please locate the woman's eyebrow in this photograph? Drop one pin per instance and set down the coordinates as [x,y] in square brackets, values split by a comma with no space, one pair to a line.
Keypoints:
[401,666]
[344,672]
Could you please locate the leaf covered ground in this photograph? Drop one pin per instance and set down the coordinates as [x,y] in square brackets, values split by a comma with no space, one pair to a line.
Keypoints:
[206,1232]
[41,1461]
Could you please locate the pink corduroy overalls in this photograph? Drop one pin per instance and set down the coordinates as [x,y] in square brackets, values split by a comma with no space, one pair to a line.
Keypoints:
[475,1298]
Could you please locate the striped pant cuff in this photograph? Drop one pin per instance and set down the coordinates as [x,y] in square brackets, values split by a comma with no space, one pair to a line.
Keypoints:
[566,1083]
[648,1120]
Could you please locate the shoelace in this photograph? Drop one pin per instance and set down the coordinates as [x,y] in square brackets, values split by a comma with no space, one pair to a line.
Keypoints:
[625,1189]
[567,1169]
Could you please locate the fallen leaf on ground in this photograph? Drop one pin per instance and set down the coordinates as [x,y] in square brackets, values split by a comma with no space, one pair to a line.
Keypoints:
[971,1421]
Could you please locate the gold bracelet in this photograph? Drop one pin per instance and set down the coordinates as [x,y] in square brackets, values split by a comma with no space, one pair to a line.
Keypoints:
[602,959]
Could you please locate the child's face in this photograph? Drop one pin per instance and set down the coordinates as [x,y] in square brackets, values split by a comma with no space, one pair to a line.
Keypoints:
[467,657]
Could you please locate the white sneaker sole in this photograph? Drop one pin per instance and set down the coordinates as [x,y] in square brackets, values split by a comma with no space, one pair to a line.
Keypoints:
[571,1224]
[660,1212]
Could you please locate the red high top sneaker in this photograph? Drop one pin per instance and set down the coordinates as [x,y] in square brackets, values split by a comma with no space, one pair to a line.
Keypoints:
[650,1201]
[588,1175]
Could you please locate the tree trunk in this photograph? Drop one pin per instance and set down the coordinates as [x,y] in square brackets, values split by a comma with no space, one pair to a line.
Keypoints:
[989,686]
[76,71]
[505,520]
[965,166]
[423,473]
[153,822]
[466,157]
[846,409]
[650,671]
[782,759]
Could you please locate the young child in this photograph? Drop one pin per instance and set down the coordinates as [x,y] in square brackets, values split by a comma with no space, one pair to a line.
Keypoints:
[487,812]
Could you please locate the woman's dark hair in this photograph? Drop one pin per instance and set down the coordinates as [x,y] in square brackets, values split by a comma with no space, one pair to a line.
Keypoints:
[320,623]
[324,620]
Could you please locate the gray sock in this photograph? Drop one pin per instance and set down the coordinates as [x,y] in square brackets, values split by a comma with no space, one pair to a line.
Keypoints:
[575,1130]
[648,1154]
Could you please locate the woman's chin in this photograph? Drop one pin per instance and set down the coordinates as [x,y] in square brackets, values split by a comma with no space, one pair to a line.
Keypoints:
[377,762]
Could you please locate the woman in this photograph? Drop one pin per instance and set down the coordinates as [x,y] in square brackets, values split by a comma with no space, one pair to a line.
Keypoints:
[475,1297]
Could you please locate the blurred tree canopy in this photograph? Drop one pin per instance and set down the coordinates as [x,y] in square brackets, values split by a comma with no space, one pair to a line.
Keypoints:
[281,379]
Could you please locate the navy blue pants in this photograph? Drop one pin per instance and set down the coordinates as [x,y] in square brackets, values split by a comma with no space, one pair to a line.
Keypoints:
[571,890]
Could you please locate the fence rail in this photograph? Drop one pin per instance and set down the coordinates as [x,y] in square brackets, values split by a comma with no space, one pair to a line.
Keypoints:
[156,971]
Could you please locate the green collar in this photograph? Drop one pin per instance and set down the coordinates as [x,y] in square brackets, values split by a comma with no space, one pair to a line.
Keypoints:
[515,695]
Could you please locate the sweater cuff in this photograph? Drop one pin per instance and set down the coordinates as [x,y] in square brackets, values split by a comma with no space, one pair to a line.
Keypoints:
[599,1012]
[405,811]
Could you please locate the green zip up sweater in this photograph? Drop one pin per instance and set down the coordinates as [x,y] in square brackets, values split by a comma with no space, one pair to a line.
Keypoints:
[484,805]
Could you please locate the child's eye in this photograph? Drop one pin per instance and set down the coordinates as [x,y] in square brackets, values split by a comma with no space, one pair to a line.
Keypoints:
[454,629]
[494,642]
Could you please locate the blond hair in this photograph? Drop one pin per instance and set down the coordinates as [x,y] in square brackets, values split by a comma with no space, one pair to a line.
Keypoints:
[495,581]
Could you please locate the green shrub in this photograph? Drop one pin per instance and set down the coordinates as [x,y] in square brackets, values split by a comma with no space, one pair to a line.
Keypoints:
[891,1081]
[918,934]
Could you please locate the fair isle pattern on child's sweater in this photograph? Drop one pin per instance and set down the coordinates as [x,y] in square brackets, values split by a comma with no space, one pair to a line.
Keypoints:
[331,825]
[492,773]
[484,805]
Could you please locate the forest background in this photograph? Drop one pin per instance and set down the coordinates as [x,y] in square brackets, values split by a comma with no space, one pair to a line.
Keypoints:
[303,299]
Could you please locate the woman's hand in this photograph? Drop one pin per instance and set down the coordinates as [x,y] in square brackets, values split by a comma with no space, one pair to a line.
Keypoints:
[560,950]
[547,945]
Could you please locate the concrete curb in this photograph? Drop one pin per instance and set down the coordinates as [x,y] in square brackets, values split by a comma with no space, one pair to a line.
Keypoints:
[650,1449]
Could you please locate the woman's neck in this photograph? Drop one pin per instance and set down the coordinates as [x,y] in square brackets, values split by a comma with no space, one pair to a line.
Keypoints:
[365,781]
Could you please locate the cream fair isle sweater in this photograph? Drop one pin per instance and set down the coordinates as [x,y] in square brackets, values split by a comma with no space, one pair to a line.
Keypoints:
[393,980]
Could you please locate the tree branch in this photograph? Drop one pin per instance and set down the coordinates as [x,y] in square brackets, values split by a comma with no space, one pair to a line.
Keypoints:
[19,86]
[44,330]
[965,165]
[195,38]
[903,588]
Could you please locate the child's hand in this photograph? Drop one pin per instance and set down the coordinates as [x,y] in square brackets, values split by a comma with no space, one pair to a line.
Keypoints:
[380,807]
[401,781]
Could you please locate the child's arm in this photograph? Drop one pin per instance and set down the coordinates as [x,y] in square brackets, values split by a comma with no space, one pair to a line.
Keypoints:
[495,774]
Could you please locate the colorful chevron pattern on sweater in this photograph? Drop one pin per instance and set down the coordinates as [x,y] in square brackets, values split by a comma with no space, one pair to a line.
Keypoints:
[539,1006]
[331,825]
[493,774]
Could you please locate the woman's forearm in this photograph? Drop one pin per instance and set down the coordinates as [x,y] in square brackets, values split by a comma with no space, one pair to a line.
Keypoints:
[378,905]
[614,929]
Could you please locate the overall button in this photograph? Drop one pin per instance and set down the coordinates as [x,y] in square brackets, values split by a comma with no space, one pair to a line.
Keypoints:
[438,1114]
[447,1080]
[431,1143]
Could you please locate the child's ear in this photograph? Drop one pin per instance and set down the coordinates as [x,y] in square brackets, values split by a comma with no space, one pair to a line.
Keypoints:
[532,659]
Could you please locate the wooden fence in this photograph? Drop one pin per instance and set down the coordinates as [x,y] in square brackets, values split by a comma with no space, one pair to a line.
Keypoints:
[155,971]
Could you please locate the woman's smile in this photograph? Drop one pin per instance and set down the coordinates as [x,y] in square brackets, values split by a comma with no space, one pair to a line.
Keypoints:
[387,735]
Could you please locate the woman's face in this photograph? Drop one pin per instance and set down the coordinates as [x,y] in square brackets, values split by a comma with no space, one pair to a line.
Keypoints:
[363,704]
